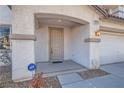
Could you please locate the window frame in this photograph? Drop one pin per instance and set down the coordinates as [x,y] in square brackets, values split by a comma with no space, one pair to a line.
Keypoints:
[10,28]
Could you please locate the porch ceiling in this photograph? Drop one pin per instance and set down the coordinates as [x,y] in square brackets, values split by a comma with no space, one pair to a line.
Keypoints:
[57,19]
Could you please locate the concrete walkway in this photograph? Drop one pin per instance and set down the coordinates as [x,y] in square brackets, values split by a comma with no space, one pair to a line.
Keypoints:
[115,69]
[73,80]
[113,80]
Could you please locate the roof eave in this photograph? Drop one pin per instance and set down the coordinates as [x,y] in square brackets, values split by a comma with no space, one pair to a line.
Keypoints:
[106,15]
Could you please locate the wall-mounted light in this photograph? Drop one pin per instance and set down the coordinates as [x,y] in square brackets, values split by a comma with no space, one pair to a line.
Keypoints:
[97,33]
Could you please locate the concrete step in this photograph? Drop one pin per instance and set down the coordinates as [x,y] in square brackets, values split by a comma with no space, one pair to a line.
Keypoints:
[63,72]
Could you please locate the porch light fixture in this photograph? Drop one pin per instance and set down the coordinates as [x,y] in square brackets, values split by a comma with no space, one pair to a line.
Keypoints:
[97,33]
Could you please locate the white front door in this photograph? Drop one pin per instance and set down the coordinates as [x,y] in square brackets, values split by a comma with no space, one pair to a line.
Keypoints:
[56,44]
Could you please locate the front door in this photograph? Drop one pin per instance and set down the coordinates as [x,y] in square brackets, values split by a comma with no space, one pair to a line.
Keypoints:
[56,44]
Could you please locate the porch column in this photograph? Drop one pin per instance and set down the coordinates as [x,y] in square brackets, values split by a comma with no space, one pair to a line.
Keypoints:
[22,40]
[94,45]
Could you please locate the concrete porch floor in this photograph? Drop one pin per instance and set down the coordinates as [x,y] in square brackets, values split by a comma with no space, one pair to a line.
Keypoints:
[52,69]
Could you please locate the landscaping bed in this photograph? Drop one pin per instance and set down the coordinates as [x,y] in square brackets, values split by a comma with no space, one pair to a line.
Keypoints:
[89,74]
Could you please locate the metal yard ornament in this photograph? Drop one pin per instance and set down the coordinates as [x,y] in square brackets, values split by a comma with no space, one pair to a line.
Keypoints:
[32,67]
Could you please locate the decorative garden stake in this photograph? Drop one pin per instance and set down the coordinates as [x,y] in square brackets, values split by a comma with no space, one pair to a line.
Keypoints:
[32,68]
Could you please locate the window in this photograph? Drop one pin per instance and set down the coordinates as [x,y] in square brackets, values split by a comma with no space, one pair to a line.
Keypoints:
[4,37]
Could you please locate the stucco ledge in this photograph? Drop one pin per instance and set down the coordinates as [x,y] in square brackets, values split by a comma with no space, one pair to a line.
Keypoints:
[92,40]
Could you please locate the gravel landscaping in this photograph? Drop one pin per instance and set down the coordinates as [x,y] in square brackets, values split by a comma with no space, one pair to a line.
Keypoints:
[52,82]
[89,74]
[6,80]
[47,82]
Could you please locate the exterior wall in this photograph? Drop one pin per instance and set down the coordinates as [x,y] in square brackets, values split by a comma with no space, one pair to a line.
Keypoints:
[94,47]
[22,56]
[67,43]
[5,15]
[22,50]
[23,23]
[42,43]
[81,12]
[80,49]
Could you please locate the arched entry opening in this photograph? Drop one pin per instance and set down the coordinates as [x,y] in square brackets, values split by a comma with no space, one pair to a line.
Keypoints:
[59,44]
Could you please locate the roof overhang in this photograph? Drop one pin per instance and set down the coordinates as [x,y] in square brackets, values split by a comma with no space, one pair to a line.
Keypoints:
[106,14]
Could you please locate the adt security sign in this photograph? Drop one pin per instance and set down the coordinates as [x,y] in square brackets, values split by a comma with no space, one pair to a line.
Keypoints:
[31,67]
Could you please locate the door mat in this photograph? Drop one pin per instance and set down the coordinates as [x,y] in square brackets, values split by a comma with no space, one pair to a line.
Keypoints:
[89,74]
[57,61]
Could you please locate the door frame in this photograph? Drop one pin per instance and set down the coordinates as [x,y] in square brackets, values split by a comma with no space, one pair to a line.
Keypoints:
[50,40]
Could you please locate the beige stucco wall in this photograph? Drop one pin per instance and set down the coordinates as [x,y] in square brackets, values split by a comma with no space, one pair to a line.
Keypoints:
[23,23]
[94,46]
[22,50]
[80,49]
[81,12]
[22,55]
